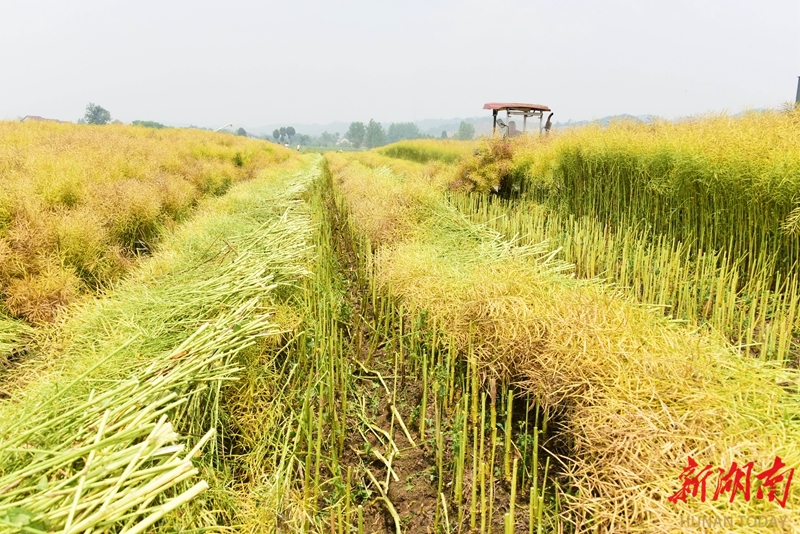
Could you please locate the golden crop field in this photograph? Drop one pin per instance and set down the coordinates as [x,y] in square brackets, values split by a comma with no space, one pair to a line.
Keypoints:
[528,335]
[425,150]
[78,204]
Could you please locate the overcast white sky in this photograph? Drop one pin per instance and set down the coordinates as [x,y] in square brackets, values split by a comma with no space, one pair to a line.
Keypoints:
[302,61]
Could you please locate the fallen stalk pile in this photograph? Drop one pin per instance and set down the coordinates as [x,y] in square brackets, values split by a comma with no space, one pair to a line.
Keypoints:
[113,427]
[118,456]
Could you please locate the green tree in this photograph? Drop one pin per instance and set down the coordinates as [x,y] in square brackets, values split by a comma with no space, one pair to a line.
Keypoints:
[241,132]
[276,133]
[327,139]
[290,132]
[356,134]
[444,134]
[375,136]
[96,114]
[465,131]
[402,130]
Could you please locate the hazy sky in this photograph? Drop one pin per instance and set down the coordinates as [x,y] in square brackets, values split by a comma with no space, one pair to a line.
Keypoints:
[300,61]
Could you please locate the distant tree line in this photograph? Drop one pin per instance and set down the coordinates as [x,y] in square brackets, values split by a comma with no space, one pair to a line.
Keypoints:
[369,135]
[373,135]
[283,134]
[358,135]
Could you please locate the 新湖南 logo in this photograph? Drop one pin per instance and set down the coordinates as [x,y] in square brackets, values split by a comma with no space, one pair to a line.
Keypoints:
[717,483]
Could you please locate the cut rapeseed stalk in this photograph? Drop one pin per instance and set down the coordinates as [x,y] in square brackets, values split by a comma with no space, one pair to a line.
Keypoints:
[115,456]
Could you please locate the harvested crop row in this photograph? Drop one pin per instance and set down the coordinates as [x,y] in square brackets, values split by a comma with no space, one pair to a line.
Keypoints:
[636,395]
[111,425]
[749,298]
[78,204]
[759,314]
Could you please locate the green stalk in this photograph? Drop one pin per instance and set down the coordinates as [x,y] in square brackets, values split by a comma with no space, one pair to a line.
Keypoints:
[484,506]
[473,508]
[513,499]
[493,421]
[534,500]
[424,406]
[444,510]
[461,458]
[439,446]
[507,448]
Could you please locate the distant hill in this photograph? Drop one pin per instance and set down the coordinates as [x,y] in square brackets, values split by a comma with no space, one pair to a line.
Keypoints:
[605,121]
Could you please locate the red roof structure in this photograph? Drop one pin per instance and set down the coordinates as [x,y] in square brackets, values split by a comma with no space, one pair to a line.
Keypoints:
[517,108]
